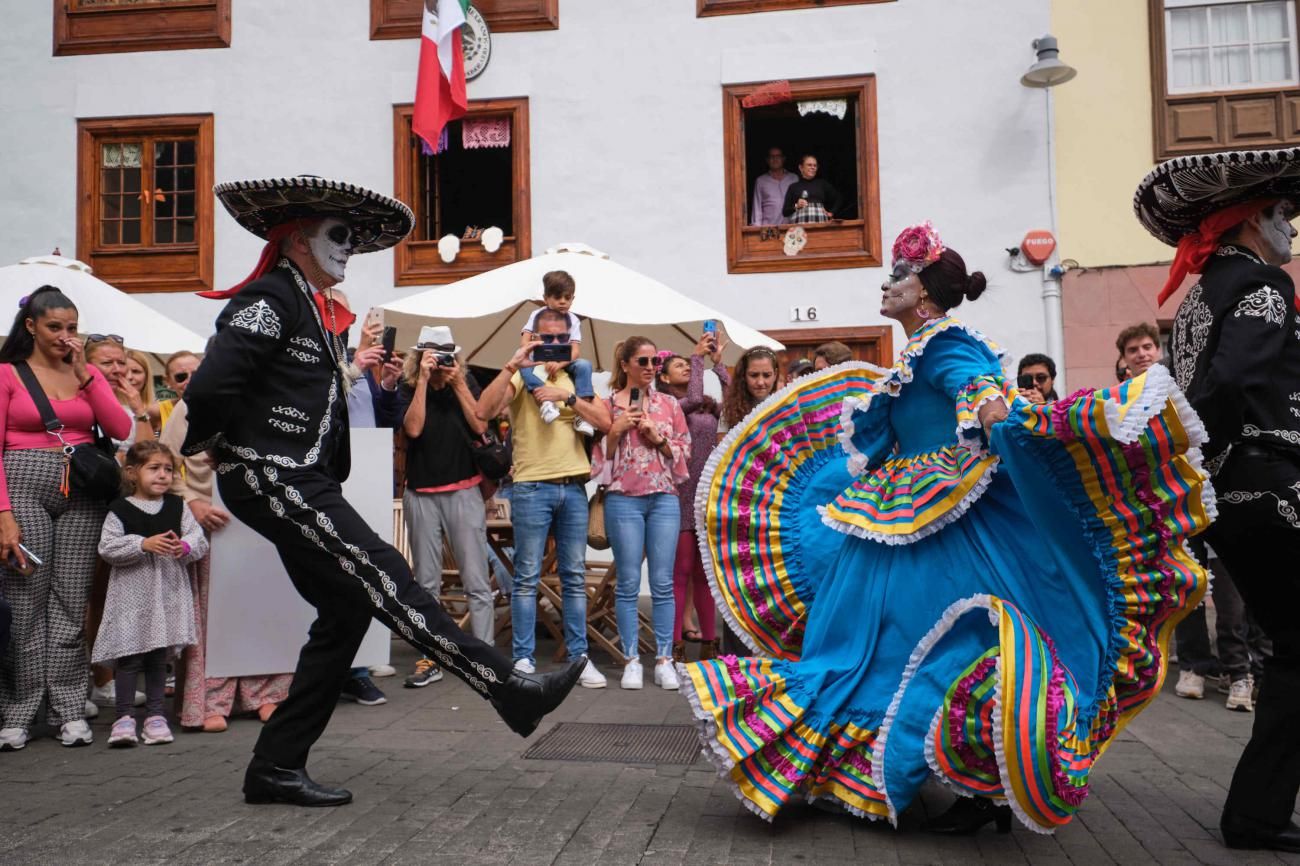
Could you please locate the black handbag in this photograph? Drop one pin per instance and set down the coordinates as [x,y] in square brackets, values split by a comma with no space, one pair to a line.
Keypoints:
[92,469]
[492,456]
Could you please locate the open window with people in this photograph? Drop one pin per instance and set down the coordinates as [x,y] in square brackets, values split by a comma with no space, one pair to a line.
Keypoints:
[802,179]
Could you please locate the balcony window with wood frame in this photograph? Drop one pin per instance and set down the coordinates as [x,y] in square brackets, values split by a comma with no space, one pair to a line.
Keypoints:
[704,8]
[1224,75]
[115,26]
[144,202]
[400,19]
[834,120]
[479,181]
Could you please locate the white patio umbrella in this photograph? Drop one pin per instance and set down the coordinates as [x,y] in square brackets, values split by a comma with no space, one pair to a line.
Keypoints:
[486,312]
[101,308]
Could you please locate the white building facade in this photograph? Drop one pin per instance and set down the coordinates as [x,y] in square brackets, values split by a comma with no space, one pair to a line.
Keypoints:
[625,102]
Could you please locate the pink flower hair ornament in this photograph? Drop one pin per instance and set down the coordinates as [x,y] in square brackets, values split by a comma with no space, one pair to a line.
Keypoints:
[917,246]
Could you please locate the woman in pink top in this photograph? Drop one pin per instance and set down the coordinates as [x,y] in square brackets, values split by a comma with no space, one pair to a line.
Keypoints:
[61,527]
[641,461]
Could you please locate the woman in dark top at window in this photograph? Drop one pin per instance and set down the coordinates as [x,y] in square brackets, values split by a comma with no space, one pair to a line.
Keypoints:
[810,199]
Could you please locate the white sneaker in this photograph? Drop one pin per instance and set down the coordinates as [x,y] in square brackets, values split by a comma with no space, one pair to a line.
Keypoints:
[632,677]
[92,709]
[666,675]
[1190,685]
[106,695]
[525,666]
[1239,696]
[383,671]
[584,427]
[590,678]
[12,739]
[549,411]
[76,733]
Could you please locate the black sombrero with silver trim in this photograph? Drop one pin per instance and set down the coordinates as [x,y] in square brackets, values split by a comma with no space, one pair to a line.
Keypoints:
[1172,200]
[377,221]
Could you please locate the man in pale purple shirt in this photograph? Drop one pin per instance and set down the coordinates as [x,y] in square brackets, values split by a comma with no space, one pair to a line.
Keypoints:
[769,191]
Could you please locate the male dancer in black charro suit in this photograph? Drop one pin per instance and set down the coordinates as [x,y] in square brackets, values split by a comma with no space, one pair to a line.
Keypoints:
[1235,352]
[269,404]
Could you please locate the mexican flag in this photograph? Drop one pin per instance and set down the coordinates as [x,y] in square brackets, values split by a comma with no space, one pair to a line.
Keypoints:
[440,88]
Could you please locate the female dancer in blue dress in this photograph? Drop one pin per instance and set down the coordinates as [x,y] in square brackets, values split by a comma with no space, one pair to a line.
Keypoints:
[940,578]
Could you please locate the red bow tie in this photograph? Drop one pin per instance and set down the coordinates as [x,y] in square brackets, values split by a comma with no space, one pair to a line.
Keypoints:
[334,316]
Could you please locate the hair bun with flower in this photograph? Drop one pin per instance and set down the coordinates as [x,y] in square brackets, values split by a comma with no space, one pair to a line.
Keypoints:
[917,246]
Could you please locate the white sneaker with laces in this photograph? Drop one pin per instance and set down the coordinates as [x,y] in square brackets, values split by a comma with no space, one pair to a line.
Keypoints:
[590,678]
[383,671]
[76,733]
[666,675]
[12,739]
[632,677]
[1239,696]
[549,411]
[92,709]
[584,427]
[526,666]
[1190,685]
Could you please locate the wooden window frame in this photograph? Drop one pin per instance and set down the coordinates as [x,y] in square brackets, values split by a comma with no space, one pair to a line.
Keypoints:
[1228,111]
[831,246]
[881,337]
[157,268]
[165,25]
[706,8]
[416,262]
[400,19]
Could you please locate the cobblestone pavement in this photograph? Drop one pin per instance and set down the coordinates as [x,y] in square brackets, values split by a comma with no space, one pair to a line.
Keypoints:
[439,780]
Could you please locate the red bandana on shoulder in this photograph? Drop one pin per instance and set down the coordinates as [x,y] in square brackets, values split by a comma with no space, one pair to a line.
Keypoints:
[335,317]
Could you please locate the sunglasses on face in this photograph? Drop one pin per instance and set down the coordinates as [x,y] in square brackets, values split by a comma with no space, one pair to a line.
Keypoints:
[649,361]
[554,338]
[106,338]
[1040,378]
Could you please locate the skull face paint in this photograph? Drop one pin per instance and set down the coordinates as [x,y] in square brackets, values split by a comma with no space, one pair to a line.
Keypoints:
[1277,233]
[331,246]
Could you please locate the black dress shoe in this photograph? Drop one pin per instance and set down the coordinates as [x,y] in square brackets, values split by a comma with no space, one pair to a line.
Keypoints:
[1239,833]
[968,815]
[523,699]
[264,782]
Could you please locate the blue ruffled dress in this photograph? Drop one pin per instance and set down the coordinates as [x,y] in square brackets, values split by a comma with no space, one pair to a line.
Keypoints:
[926,602]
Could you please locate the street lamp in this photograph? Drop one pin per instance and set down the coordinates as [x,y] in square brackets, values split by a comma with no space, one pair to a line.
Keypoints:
[1047,72]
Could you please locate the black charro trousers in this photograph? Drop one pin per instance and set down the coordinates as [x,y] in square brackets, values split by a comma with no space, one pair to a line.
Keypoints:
[1257,535]
[349,574]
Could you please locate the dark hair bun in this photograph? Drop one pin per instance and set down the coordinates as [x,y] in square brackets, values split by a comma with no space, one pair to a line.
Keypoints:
[975,286]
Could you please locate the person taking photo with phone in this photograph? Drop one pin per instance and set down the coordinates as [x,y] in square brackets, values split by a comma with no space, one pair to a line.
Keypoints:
[640,462]
[57,521]
[551,470]
[1036,378]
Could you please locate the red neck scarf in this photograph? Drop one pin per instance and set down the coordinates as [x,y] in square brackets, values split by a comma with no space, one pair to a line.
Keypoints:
[1195,248]
[336,323]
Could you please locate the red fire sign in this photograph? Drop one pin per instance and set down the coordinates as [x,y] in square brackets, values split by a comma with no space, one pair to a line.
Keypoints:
[1038,246]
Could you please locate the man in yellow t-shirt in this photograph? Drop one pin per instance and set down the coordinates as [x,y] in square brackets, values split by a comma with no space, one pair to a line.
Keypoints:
[550,475]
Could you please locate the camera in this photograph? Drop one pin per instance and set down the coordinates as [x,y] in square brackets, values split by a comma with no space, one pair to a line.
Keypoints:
[1024,381]
[443,359]
[552,352]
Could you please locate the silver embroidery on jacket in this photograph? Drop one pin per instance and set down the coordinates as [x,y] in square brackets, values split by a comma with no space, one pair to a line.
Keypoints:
[1191,333]
[1264,303]
[1289,435]
[257,318]
[306,342]
[286,426]
[290,412]
[305,357]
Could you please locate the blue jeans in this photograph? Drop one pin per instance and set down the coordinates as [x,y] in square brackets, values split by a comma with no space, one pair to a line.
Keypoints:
[536,508]
[643,526]
[579,369]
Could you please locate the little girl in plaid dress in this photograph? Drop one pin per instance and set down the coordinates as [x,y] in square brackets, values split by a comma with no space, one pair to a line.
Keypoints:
[149,538]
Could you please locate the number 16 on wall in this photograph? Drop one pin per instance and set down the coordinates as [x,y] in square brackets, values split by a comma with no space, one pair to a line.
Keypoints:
[803,314]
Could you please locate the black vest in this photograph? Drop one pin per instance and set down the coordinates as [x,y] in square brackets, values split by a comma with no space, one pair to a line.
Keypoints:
[142,523]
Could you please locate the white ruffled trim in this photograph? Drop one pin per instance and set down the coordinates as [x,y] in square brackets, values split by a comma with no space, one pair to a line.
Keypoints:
[975,444]
[950,516]
[891,384]
[706,482]
[945,623]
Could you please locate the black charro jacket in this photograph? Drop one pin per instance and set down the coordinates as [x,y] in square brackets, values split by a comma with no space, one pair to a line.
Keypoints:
[270,389]
[1235,351]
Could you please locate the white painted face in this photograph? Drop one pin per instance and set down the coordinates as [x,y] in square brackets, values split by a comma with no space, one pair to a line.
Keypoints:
[1278,232]
[901,292]
[331,246]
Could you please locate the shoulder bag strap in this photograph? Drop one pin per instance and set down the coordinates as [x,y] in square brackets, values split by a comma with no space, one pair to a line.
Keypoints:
[51,421]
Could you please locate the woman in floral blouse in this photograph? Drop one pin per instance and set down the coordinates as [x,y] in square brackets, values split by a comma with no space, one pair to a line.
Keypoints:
[640,462]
